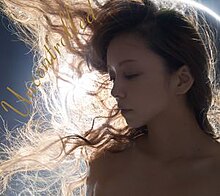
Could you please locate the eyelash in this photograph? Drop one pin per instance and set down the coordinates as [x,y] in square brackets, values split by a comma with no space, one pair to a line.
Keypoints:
[129,77]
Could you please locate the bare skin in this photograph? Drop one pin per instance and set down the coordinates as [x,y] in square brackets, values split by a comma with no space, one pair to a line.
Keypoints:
[130,173]
[177,157]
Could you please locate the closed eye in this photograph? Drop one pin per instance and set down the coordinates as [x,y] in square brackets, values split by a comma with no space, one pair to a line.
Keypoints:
[129,77]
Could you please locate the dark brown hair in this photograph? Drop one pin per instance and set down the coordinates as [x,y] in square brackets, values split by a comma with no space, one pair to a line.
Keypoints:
[175,37]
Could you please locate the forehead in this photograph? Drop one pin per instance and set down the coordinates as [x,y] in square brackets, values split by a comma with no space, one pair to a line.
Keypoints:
[125,46]
[134,51]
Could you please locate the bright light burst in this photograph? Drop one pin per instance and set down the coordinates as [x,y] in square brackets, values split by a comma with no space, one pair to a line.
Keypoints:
[202,7]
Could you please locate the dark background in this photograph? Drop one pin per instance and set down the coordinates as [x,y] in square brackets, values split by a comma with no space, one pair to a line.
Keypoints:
[16,63]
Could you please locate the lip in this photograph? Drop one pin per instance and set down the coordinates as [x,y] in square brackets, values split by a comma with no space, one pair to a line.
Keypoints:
[125,111]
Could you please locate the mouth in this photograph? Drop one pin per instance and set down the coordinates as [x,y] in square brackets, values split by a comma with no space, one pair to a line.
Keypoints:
[125,111]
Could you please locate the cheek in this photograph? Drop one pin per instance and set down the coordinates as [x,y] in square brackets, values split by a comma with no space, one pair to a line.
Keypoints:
[152,98]
[148,102]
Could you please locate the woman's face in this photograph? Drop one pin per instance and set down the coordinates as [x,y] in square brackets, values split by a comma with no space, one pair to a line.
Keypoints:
[148,92]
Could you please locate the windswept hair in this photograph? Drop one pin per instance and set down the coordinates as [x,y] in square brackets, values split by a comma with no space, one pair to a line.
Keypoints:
[74,119]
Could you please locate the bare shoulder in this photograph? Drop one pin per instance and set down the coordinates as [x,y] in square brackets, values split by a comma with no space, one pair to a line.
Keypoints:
[211,165]
[213,172]
[97,167]
[93,178]
[104,164]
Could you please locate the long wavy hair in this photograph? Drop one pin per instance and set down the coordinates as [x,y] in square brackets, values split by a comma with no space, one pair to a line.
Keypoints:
[74,119]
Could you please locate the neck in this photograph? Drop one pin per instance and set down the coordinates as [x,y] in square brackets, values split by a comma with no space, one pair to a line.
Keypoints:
[181,138]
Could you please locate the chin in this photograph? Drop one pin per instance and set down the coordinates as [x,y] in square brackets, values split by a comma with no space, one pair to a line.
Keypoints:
[138,127]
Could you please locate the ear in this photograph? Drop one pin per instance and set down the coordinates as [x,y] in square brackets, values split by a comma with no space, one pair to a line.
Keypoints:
[183,80]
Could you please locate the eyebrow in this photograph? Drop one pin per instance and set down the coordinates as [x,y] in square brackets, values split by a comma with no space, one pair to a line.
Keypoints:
[123,62]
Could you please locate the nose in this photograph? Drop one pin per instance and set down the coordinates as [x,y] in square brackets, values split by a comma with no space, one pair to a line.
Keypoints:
[118,93]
